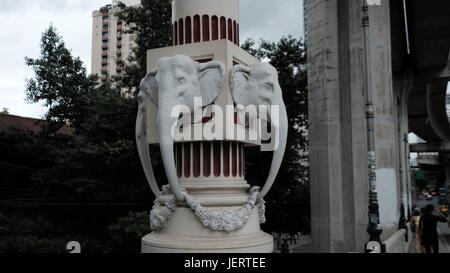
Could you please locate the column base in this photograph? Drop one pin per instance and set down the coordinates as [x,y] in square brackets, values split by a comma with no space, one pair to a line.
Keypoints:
[185,234]
[161,243]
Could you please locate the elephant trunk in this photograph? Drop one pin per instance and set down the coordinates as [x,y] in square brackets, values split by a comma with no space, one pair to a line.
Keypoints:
[278,154]
[165,124]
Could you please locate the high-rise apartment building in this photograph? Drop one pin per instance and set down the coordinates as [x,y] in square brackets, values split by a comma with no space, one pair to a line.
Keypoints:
[111,47]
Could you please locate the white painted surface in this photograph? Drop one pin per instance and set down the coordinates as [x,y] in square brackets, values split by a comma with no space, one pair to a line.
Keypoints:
[184,8]
[388,196]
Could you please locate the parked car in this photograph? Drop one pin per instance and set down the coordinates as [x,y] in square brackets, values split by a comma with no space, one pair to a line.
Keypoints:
[429,197]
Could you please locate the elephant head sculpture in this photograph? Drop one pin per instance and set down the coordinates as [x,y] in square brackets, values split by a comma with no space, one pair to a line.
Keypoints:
[258,85]
[177,81]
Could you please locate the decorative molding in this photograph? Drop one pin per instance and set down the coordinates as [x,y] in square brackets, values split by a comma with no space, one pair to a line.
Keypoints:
[214,219]
[160,215]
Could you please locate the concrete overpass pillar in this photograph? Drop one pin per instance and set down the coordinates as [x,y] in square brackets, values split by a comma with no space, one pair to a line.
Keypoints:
[338,150]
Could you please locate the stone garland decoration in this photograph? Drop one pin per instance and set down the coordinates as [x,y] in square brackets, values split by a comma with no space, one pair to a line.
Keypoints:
[215,220]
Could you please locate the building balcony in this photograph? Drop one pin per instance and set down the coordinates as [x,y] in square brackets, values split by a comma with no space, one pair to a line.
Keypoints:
[104,54]
[105,47]
[104,62]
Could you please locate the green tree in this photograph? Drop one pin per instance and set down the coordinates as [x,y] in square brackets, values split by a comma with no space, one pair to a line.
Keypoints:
[5,111]
[150,25]
[60,81]
[99,165]
[288,207]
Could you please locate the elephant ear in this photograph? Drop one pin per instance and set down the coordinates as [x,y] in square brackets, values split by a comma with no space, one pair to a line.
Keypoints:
[211,77]
[239,78]
[149,85]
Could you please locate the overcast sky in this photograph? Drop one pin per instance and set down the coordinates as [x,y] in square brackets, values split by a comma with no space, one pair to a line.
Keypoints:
[25,20]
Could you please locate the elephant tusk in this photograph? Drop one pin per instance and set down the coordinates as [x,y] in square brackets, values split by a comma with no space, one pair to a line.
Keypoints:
[278,154]
[142,145]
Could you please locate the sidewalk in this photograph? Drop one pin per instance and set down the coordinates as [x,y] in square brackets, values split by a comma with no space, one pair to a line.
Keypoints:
[444,238]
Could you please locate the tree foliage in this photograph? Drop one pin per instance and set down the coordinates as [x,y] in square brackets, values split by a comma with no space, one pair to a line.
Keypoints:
[93,186]
[60,81]
[150,25]
[288,206]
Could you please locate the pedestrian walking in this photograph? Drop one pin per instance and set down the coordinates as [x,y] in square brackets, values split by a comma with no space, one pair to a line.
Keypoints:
[428,229]
[415,227]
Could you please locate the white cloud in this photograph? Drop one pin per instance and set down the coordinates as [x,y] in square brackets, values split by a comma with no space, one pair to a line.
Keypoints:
[25,20]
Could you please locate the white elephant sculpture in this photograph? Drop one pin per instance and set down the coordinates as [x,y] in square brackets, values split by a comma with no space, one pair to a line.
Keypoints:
[258,85]
[176,81]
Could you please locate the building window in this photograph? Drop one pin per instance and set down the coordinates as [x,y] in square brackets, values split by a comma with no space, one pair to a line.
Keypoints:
[215,28]
[223,28]
[181,32]
[188,30]
[205,28]
[196,28]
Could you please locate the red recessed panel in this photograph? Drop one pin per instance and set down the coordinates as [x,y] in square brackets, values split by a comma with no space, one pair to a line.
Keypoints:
[181,32]
[217,161]
[176,33]
[241,157]
[196,28]
[230,30]
[223,28]
[179,153]
[188,30]
[205,28]
[215,28]
[235,32]
[234,159]
[187,159]
[206,159]
[226,159]
[196,156]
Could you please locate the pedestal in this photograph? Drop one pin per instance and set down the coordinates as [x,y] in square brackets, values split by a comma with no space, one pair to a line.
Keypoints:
[185,234]
[213,174]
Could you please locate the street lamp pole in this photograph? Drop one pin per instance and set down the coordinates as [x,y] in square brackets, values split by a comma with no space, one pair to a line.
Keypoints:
[402,221]
[374,229]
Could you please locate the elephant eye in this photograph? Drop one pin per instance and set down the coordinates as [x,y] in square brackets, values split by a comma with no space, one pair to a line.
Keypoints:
[268,87]
[181,81]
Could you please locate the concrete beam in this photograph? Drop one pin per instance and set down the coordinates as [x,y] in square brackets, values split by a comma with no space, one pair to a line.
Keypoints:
[429,147]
